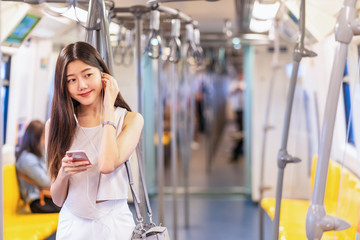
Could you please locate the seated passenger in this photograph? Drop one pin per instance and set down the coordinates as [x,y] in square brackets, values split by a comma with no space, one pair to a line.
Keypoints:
[30,163]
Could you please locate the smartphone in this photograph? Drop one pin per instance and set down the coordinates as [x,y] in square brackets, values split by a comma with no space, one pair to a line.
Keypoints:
[78,155]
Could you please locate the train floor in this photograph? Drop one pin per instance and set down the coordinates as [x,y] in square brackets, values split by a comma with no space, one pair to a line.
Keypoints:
[218,207]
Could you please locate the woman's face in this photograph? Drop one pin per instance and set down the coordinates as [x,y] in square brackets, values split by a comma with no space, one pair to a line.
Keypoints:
[83,82]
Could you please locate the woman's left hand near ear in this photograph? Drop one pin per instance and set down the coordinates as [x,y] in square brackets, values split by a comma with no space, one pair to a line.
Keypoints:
[111,89]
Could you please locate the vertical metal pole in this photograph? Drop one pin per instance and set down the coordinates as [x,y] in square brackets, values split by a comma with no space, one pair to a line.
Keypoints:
[325,143]
[266,126]
[97,42]
[329,121]
[1,145]
[184,139]
[191,138]
[186,188]
[97,10]
[91,21]
[317,221]
[160,146]
[283,156]
[173,89]
[140,96]
[106,37]
[188,132]
[185,131]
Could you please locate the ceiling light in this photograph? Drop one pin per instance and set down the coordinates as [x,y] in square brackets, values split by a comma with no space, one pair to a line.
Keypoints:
[236,40]
[265,11]
[76,14]
[114,28]
[260,26]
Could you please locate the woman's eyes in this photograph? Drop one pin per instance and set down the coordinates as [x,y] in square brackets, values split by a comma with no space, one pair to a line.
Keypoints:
[87,75]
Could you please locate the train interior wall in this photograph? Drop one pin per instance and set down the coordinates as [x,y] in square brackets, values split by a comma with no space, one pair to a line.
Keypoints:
[40,55]
[307,116]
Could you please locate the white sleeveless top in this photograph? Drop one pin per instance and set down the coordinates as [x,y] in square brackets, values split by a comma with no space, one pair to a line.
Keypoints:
[87,187]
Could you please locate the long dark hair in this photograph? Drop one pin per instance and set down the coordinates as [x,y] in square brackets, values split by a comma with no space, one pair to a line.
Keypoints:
[63,124]
[31,139]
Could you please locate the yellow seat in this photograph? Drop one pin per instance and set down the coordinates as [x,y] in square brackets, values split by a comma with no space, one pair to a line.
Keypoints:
[165,139]
[344,204]
[18,225]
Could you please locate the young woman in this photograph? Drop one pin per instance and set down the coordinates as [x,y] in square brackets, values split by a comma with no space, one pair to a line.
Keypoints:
[88,113]
[30,163]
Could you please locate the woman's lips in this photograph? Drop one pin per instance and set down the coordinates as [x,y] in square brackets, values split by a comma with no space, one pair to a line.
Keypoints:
[85,94]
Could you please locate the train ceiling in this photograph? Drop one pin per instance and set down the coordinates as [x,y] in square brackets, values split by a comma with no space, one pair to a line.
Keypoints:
[212,15]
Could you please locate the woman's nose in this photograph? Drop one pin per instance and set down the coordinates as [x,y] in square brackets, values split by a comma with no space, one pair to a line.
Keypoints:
[82,84]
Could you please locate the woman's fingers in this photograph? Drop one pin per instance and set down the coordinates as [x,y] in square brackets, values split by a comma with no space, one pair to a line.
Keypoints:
[109,81]
[77,169]
[111,89]
[74,166]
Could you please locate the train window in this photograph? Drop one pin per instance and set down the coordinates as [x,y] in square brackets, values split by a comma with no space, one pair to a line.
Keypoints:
[5,77]
[347,107]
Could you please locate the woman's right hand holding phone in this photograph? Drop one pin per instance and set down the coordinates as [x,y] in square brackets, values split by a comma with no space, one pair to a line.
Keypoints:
[69,166]
[59,185]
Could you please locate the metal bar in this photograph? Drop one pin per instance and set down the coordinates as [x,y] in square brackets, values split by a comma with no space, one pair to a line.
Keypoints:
[266,126]
[90,22]
[173,89]
[175,12]
[138,11]
[317,221]
[191,139]
[184,139]
[187,144]
[186,186]
[106,37]
[326,138]
[329,122]
[140,95]
[122,10]
[283,157]
[160,146]
[97,42]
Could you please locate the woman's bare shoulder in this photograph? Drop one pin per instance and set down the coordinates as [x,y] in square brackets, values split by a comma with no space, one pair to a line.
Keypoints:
[134,118]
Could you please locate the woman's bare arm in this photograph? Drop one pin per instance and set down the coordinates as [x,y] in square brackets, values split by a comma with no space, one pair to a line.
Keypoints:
[115,151]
